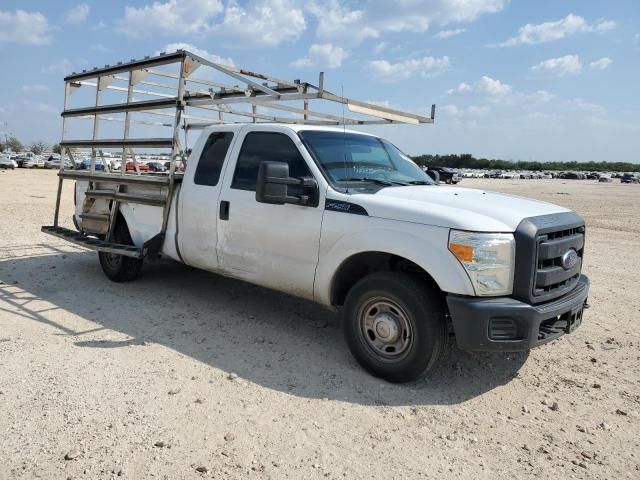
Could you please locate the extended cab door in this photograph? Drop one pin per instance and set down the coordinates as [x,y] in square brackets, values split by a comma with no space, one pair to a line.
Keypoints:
[271,245]
[199,198]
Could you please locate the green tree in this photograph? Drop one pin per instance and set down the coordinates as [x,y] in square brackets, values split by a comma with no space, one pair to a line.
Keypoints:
[14,144]
[467,160]
[56,148]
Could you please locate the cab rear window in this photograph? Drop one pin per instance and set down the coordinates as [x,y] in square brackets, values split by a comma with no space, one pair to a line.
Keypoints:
[212,158]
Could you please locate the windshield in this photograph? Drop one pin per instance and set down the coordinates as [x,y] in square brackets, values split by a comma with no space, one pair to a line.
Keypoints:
[350,159]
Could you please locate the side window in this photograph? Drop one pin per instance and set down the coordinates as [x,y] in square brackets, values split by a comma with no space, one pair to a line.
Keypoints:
[267,146]
[212,158]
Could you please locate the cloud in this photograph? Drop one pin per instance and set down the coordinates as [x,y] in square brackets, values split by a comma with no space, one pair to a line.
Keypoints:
[531,34]
[339,22]
[601,64]
[262,23]
[98,47]
[39,107]
[27,28]
[35,88]
[77,14]
[496,92]
[212,57]
[581,105]
[561,66]
[442,34]
[471,110]
[392,72]
[258,23]
[173,17]
[380,47]
[98,26]
[485,85]
[322,55]
[63,66]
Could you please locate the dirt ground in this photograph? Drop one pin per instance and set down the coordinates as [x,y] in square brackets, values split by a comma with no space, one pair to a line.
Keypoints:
[185,374]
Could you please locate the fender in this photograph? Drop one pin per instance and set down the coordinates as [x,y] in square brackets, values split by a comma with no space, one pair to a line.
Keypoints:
[424,245]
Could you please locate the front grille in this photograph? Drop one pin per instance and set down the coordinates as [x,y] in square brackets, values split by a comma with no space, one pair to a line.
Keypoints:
[550,277]
[541,243]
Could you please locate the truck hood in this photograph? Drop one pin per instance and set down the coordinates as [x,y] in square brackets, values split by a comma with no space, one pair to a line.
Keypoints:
[453,207]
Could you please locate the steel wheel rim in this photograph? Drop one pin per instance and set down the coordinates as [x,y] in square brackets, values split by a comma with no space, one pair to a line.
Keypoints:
[385,328]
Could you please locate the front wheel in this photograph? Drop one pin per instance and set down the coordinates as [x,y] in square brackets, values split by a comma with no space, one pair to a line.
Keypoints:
[394,324]
[120,268]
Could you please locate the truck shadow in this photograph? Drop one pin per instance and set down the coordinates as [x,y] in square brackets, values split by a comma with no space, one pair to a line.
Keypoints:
[265,337]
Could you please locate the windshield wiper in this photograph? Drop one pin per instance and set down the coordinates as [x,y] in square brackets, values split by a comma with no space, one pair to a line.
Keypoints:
[419,182]
[378,181]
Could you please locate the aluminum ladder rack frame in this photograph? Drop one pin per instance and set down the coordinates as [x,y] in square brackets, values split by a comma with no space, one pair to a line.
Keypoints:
[175,96]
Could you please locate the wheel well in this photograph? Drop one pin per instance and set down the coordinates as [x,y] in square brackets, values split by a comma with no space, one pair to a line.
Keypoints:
[362,264]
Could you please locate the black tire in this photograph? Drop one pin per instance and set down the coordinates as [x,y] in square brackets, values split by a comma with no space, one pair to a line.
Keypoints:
[119,268]
[414,300]
[435,175]
[448,181]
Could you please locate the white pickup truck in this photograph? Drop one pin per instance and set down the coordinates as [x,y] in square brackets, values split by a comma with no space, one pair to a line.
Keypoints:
[407,260]
[345,219]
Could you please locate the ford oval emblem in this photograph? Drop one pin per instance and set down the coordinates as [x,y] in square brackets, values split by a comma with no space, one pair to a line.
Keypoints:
[569,259]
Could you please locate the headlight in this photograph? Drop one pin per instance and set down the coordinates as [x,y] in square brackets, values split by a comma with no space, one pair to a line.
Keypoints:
[488,259]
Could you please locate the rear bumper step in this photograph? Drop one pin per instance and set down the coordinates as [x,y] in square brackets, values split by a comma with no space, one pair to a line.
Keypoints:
[93,243]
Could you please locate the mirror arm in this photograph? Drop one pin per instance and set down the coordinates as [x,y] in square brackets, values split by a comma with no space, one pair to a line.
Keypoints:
[305,182]
[297,199]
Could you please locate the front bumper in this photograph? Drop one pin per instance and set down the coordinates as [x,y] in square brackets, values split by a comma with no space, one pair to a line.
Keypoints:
[506,324]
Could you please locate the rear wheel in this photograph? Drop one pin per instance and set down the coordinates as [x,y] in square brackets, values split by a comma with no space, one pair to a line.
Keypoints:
[120,268]
[394,325]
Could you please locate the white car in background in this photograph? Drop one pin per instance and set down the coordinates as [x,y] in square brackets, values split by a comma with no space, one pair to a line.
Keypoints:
[53,162]
[26,162]
[7,162]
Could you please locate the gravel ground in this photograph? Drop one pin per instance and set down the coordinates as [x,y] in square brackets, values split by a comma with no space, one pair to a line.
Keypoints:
[185,374]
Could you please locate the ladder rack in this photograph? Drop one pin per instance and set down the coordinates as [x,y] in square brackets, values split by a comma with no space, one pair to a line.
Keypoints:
[165,86]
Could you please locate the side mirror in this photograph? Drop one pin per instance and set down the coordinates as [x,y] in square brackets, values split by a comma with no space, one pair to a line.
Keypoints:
[274,180]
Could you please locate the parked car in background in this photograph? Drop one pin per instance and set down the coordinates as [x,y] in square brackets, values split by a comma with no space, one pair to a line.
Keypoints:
[52,158]
[572,176]
[115,164]
[26,162]
[7,162]
[53,162]
[86,164]
[130,167]
[629,178]
[605,179]
[179,166]
[444,174]
[156,167]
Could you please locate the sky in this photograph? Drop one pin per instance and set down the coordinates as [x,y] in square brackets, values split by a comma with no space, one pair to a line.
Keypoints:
[542,80]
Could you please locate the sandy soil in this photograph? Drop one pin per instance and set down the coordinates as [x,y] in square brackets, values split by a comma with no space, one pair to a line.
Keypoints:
[184,371]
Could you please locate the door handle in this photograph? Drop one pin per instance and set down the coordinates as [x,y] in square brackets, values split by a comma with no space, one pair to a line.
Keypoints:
[224,210]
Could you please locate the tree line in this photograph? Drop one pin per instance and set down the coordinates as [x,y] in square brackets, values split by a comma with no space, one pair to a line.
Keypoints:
[12,144]
[466,160]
